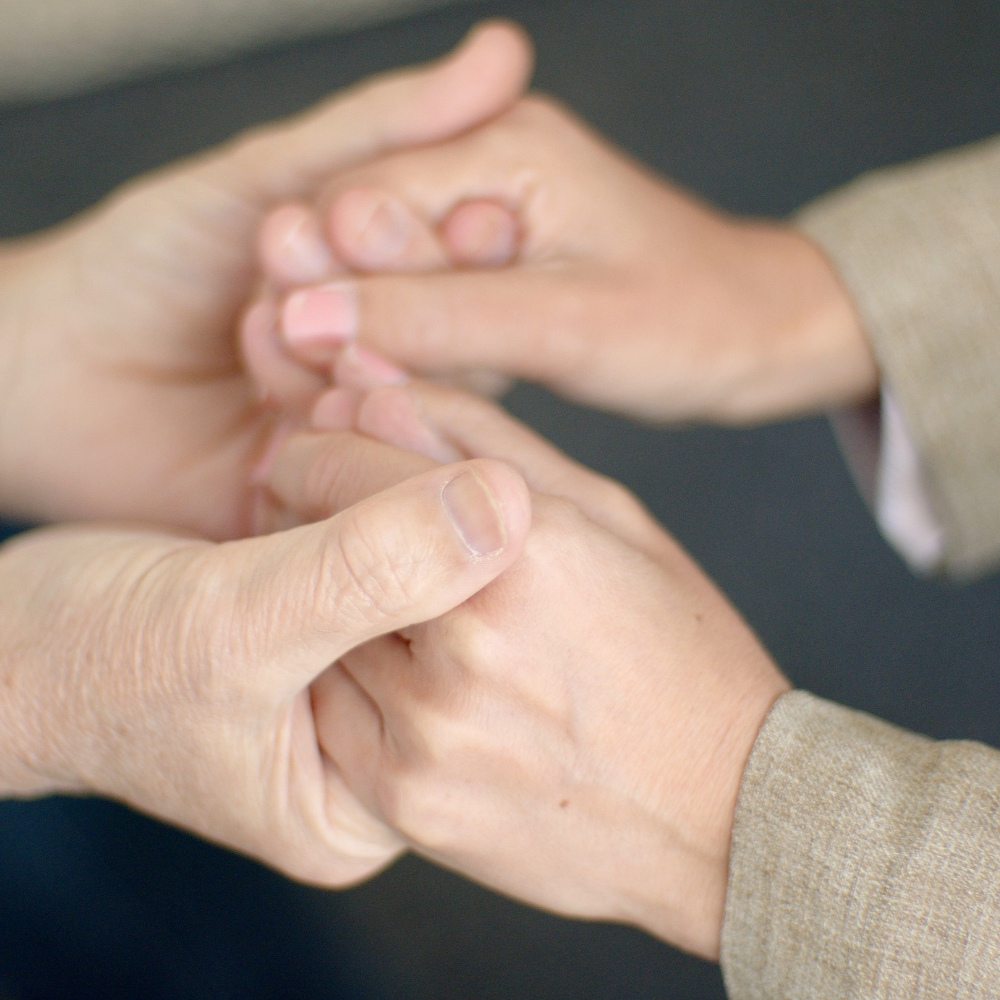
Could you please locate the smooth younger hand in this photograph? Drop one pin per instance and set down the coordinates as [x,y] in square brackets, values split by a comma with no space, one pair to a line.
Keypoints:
[575,733]
[123,391]
[532,248]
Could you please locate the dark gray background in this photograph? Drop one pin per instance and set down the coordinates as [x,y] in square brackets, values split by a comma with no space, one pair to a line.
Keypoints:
[757,104]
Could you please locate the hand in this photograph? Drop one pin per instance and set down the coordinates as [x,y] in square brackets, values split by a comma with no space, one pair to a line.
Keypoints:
[617,289]
[173,674]
[574,734]
[123,393]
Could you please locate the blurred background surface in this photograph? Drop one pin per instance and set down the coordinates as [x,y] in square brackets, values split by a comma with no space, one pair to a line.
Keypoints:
[758,105]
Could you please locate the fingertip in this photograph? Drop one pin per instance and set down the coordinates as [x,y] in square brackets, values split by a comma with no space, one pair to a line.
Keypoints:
[503,46]
[373,230]
[291,247]
[510,498]
[479,79]
[316,322]
[481,233]
[277,376]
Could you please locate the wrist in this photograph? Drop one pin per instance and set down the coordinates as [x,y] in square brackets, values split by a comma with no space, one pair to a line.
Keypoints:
[63,620]
[811,352]
[27,750]
[687,908]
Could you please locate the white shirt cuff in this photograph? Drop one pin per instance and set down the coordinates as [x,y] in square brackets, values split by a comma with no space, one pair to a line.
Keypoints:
[888,471]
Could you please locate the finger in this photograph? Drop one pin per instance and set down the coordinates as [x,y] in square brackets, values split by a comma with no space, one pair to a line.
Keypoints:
[336,410]
[287,161]
[361,844]
[480,233]
[358,368]
[405,556]
[398,682]
[528,322]
[350,728]
[318,475]
[437,420]
[492,385]
[393,415]
[372,230]
[278,377]
[292,249]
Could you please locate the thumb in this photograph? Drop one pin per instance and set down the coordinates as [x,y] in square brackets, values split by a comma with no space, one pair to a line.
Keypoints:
[426,104]
[526,322]
[402,557]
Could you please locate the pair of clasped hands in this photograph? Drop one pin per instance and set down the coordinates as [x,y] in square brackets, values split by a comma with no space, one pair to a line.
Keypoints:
[446,636]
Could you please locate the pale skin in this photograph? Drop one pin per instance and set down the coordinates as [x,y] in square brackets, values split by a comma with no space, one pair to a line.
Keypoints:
[123,391]
[173,674]
[575,733]
[170,671]
[532,248]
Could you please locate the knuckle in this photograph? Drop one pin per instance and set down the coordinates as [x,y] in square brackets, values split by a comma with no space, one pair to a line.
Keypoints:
[475,645]
[555,516]
[371,576]
[615,498]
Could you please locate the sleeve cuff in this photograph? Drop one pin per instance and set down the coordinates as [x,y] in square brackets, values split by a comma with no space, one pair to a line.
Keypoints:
[865,862]
[918,249]
[887,468]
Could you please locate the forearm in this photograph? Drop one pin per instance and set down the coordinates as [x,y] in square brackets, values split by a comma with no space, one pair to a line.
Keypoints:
[863,862]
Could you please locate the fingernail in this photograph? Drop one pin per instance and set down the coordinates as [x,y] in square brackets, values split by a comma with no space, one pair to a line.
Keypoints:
[323,315]
[305,255]
[364,369]
[481,234]
[474,513]
[371,228]
[385,233]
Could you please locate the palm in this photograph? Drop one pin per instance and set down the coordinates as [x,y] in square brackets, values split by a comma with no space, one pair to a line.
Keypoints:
[122,395]
[129,376]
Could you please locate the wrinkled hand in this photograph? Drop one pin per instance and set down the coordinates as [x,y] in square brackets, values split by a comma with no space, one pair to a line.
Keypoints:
[174,674]
[531,248]
[123,392]
[575,733]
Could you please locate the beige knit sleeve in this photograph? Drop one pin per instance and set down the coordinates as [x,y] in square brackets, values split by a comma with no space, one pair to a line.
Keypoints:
[53,47]
[918,248]
[865,863]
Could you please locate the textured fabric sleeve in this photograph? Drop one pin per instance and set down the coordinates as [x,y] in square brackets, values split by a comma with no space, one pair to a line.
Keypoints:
[918,248]
[52,47]
[865,863]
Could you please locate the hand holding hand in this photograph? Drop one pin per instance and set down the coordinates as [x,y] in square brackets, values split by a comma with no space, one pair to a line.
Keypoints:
[531,248]
[575,733]
[174,674]
[123,392]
